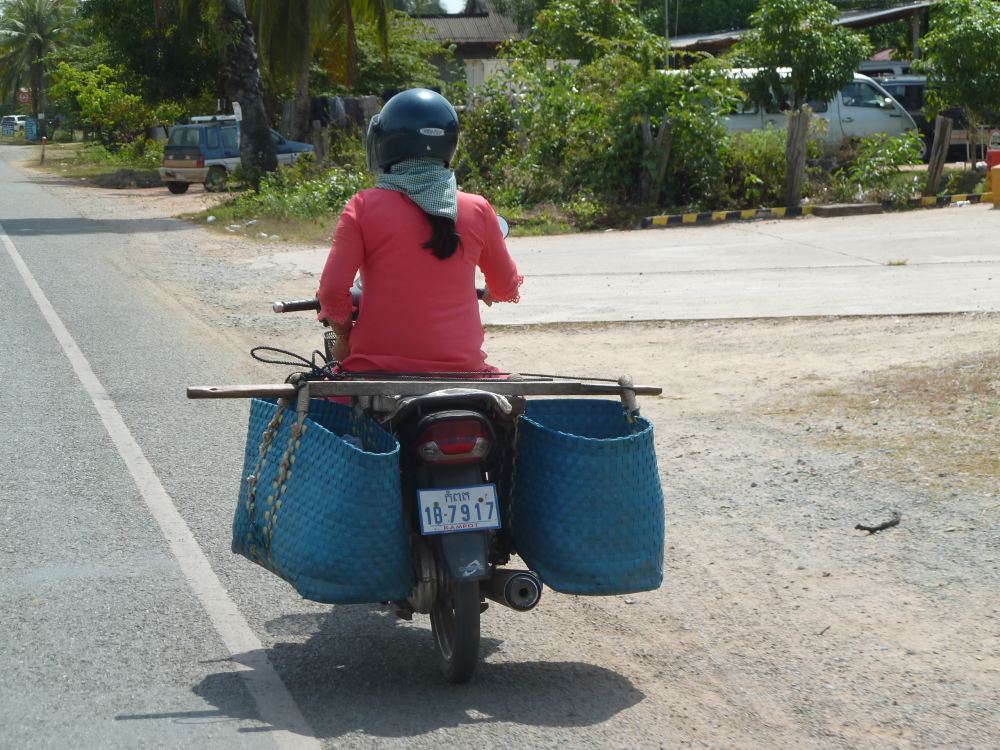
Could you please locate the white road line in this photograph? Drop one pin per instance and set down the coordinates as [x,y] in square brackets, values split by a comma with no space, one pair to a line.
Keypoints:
[274,702]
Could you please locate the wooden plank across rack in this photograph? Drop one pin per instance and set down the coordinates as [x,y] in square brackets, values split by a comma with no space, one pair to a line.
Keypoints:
[327,388]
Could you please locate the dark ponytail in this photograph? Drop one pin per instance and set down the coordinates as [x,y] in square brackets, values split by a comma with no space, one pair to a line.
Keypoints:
[444,238]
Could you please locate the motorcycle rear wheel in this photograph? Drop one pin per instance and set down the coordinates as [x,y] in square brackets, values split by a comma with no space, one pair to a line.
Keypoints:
[455,624]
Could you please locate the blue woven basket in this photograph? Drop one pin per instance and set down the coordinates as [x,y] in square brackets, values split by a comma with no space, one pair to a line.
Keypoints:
[333,525]
[587,509]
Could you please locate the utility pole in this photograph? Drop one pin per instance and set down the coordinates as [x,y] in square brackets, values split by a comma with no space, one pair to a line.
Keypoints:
[666,29]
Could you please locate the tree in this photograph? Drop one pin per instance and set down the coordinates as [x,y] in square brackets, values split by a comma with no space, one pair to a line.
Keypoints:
[820,58]
[601,137]
[30,31]
[584,31]
[103,103]
[409,62]
[522,11]
[162,55]
[962,58]
[293,32]
[241,80]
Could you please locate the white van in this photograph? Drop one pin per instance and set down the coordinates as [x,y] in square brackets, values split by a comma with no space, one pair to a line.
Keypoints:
[861,108]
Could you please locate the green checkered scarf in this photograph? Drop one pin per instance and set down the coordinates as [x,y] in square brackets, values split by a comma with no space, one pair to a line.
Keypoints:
[428,183]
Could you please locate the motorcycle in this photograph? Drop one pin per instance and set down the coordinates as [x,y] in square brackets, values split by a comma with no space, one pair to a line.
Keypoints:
[456,438]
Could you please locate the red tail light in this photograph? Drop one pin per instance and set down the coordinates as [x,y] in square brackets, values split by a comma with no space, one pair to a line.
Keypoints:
[455,441]
[200,162]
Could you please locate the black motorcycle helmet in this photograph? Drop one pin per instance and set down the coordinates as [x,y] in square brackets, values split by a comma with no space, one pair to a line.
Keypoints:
[414,124]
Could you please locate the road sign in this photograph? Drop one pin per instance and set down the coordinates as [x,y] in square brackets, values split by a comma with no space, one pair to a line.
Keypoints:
[31,129]
[24,96]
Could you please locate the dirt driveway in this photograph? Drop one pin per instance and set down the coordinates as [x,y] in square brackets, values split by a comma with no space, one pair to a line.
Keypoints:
[779,623]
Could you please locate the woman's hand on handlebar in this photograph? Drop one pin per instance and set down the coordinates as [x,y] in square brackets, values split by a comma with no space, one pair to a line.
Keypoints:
[342,347]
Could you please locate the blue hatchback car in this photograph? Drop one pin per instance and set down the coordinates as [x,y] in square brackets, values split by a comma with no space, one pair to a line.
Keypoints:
[208,149]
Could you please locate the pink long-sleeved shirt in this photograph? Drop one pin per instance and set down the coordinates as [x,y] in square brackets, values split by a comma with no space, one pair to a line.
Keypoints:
[418,313]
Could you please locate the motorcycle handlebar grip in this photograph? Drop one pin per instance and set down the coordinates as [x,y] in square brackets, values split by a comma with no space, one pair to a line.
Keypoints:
[298,305]
[301,305]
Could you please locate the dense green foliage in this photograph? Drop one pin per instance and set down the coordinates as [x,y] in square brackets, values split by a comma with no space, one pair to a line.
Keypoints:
[407,64]
[875,165]
[96,100]
[561,138]
[799,55]
[799,35]
[31,31]
[962,57]
[139,154]
[170,57]
[694,17]
[583,127]
[301,192]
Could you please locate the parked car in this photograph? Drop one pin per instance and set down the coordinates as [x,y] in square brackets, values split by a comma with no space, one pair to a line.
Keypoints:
[208,149]
[17,121]
[861,108]
[881,68]
[911,92]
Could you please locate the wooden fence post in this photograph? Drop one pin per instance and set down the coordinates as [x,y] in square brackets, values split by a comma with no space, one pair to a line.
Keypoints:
[939,154]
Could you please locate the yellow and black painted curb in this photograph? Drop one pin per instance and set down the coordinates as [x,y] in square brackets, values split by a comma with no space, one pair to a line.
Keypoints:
[760,214]
[948,200]
[709,217]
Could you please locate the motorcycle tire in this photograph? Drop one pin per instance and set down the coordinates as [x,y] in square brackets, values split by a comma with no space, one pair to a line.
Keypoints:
[455,624]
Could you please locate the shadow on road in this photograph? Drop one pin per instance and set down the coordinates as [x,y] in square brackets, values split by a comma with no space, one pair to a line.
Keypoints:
[38,227]
[362,670]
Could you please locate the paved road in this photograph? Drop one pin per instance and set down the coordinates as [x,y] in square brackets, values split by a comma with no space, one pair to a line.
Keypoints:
[812,266]
[941,260]
[127,623]
[108,638]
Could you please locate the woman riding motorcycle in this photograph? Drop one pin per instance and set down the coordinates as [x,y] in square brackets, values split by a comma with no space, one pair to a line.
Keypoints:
[417,242]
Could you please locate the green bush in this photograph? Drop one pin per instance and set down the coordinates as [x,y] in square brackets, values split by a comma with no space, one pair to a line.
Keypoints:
[299,192]
[755,169]
[549,133]
[139,154]
[873,172]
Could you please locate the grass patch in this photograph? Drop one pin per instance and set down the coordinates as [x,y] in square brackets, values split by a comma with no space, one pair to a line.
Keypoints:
[536,222]
[940,425]
[97,165]
[228,220]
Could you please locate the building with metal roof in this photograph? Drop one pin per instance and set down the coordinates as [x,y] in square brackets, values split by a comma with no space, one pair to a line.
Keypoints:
[476,34]
[855,19]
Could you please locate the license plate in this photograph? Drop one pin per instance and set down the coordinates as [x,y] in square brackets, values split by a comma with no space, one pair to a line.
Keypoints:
[447,511]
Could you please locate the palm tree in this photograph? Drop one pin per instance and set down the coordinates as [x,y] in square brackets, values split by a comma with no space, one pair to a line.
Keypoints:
[241,78]
[241,81]
[292,32]
[31,30]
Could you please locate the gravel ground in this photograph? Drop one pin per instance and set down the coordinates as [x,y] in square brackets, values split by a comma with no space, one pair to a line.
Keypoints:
[779,624]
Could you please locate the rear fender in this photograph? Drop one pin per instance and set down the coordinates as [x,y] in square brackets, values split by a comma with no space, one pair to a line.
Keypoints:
[464,555]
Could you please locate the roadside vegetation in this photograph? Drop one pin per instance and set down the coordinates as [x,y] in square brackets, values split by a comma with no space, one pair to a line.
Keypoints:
[543,139]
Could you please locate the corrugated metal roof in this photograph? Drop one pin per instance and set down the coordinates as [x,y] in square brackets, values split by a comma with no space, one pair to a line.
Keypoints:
[851,18]
[873,16]
[489,28]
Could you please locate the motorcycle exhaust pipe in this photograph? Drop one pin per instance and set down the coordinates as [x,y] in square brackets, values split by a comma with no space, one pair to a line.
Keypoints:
[518,589]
